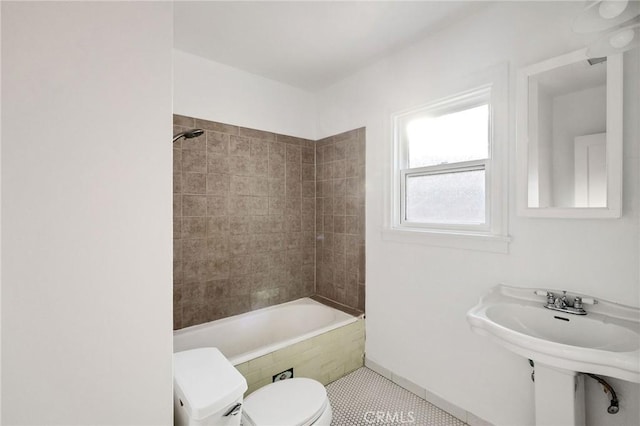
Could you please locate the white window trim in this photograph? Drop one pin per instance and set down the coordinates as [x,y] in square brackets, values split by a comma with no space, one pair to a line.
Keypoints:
[465,166]
[493,237]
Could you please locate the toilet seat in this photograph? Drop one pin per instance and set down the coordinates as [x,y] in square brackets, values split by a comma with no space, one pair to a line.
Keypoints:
[292,402]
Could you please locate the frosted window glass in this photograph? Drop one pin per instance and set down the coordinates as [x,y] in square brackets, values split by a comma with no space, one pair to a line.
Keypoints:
[449,138]
[446,198]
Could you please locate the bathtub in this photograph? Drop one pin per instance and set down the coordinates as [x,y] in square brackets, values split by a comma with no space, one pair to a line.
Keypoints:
[253,334]
[316,340]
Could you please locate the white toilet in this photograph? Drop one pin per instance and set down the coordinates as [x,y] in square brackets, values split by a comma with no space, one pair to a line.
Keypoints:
[290,402]
[208,391]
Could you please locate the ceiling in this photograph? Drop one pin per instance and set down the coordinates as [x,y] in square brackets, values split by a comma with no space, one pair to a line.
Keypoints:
[306,44]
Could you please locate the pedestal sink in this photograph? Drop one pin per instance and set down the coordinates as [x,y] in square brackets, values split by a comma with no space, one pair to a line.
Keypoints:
[604,341]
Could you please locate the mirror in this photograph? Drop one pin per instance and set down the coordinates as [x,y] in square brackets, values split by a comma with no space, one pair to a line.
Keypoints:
[569,133]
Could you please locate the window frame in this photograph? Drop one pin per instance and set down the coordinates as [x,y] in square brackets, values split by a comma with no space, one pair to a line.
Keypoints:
[441,169]
[491,87]
[458,103]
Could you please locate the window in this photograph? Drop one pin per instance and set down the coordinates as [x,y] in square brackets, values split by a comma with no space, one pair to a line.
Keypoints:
[447,177]
[444,154]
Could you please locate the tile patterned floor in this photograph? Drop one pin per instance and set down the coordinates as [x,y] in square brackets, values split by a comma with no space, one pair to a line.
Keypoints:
[364,398]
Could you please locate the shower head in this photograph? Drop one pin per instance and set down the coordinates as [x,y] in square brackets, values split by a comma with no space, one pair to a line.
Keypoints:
[193,133]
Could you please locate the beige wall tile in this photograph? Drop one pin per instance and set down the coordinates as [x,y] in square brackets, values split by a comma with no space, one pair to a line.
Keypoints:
[194,161]
[215,126]
[248,201]
[181,120]
[257,134]
[217,143]
[325,358]
[239,146]
[194,205]
[194,183]
[341,178]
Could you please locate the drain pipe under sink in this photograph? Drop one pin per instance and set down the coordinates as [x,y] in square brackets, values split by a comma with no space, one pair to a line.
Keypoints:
[613,407]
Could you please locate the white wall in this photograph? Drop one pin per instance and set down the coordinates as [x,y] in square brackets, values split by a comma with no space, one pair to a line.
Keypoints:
[86,213]
[417,295]
[213,91]
[0,216]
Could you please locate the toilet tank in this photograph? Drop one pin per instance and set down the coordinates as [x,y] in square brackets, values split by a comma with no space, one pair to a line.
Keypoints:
[207,389]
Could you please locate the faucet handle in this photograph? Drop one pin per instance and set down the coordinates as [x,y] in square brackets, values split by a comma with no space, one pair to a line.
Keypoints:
[577,302]
[549,295]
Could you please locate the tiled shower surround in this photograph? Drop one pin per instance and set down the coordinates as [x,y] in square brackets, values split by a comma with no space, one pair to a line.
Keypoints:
[247,230]
[340,218]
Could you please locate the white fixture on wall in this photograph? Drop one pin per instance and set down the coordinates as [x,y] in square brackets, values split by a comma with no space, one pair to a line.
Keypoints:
[617,18]
[605,14]
[558,100]
[565,335]
[618,41]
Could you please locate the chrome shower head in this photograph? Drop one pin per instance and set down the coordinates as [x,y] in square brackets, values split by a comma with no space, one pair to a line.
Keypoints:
[193,133]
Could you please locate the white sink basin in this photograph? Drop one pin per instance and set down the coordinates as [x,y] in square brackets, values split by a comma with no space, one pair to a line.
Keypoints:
[605,341]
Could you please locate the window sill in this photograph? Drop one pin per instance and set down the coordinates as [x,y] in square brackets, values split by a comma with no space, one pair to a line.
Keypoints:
[449,239]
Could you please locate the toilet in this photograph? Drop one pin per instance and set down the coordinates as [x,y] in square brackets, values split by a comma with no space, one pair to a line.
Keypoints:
[208,391]
[291,402]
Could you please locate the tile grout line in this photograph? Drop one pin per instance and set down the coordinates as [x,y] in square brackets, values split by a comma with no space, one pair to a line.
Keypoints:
[365,397]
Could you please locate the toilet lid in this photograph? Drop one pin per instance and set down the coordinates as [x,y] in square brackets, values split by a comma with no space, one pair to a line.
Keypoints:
[298,402]
[205,381]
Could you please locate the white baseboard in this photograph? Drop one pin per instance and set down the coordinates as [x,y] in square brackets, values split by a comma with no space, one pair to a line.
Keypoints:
[457,412]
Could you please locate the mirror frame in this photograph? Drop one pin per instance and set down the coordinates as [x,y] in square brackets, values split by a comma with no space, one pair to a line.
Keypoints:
[614,123]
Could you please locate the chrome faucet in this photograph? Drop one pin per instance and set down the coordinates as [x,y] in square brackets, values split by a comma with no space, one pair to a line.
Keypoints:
[561,302]
[566,304]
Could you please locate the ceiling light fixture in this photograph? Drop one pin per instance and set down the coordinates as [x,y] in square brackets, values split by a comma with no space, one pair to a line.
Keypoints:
[610,9]
[602,15]
[616,42]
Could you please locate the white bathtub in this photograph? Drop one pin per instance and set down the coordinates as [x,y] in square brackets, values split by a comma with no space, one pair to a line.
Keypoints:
[253,334]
